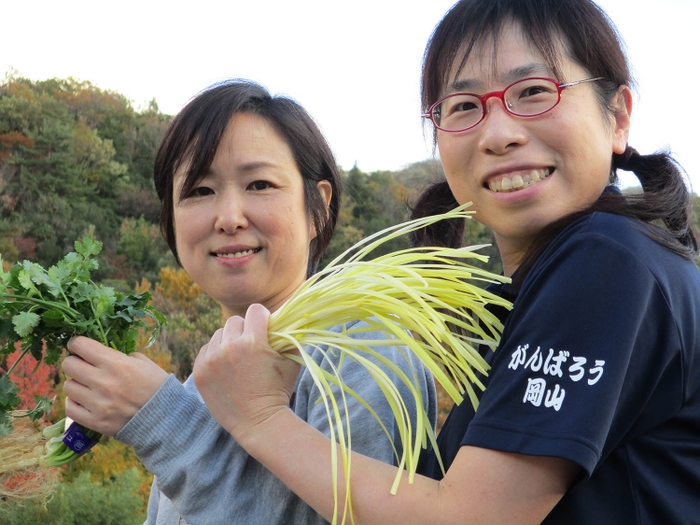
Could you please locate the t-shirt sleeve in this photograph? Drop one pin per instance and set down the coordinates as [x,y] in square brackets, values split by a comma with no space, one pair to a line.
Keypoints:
[590,333]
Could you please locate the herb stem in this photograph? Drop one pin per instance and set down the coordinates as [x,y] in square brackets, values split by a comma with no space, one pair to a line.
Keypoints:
[14,365]
[41,302]
[99,324]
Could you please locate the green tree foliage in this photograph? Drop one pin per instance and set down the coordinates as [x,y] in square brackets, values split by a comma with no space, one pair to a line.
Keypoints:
[73,158]
[143,250]
[113,501]
[695,220]
[372,202]
[193,317]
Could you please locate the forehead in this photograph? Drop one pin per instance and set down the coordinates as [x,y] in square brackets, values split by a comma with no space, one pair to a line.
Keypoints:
[248,142]
[501,60]
[249,135]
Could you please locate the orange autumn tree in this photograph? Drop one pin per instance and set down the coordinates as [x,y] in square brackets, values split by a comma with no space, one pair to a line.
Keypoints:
[31,379]
[192,316]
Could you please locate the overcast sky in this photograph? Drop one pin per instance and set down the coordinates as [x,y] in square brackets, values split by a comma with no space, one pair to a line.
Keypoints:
[346,62]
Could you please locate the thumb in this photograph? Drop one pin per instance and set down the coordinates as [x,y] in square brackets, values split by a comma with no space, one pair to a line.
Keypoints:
[257,318]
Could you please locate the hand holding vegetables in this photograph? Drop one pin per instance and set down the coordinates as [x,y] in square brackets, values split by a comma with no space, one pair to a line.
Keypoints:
[239,358]
[42,309]
[106,388]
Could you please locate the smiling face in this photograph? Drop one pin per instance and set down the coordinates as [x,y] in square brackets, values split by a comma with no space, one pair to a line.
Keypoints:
[521,174]
[243,232]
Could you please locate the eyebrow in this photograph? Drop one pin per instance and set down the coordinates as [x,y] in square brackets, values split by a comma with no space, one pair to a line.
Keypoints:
[247,167]
[524,71]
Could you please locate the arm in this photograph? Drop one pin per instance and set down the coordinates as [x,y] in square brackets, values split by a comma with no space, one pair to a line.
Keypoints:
[482,486]
[201,473]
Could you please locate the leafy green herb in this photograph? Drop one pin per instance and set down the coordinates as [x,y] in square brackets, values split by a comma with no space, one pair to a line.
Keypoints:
[43,309]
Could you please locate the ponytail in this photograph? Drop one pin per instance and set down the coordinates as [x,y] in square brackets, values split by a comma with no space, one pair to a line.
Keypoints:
[665,197]
[438,198]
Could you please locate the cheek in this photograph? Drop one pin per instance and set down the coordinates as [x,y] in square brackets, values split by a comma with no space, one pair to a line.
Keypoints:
[188,230]
[458,164]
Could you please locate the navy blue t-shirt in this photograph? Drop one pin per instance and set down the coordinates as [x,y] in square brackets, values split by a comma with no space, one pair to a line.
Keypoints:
[599,363]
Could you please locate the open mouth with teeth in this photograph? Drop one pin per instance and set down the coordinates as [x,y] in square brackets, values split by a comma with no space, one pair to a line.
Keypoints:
[519,182]
[238,255]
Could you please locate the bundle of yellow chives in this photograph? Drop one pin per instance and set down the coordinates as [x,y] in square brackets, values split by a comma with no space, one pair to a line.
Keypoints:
[413,297]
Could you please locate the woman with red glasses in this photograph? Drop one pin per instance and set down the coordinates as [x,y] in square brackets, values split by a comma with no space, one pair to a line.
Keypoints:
[591,412]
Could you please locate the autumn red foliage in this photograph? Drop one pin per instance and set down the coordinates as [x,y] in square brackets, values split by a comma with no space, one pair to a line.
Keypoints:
[9,141]
[32,380]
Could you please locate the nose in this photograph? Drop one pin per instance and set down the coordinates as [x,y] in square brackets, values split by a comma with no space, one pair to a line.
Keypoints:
[500,131]
[230,212]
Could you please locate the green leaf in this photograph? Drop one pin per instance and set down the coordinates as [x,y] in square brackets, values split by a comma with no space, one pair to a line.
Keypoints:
[43,406]
[25,323]
[9,400]
[81,292]
[55,317]
[41,278]
[8,336]
[58,273]
[25,279]
[36,347]
[5,424]
[105,301]
[89,247]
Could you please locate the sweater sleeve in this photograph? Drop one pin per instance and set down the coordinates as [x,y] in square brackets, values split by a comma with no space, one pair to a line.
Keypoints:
[368,437]
[203,475]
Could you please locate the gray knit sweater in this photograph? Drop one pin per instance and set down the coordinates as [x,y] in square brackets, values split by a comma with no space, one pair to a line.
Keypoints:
[203,477]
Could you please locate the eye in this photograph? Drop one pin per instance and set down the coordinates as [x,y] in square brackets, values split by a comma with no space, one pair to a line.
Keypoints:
[536,89]
[459,104]
[259,185]
[201,191]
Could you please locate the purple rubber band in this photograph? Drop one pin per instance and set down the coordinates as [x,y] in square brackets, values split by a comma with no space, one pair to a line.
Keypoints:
[77,440]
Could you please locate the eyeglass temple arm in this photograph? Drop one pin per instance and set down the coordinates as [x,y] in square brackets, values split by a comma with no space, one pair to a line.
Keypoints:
[569,84]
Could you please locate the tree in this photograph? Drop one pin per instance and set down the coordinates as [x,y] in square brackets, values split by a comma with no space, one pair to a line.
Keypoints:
[193,317]
[109,502]
[73,157]
[32,380]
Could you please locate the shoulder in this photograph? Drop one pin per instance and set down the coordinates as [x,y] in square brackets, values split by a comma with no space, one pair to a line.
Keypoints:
[611,245]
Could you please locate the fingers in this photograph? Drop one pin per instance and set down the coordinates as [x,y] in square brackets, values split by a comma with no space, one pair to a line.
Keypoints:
[76,391]
[233,328]
[78,412]
[88,358]
[257,318]
[107,388]
[90,350]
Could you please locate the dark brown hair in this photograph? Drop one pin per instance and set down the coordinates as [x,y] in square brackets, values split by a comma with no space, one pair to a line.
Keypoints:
[194,135]
[591,40]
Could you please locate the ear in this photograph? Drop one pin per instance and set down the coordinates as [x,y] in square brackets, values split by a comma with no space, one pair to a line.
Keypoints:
[622,107]
[326,191]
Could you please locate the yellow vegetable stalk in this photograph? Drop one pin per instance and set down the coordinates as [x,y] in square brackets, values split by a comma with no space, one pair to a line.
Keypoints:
[412,296]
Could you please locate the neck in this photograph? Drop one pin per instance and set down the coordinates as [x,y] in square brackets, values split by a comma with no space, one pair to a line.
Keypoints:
[271,303]
[511,256]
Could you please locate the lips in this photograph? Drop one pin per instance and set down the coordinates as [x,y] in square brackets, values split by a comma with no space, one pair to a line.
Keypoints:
[519,181]
[237,254]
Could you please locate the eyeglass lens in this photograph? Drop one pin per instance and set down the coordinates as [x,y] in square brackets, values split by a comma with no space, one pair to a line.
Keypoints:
[527,97]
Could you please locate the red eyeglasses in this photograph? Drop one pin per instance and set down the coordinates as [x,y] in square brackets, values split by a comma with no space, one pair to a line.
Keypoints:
[528,97]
